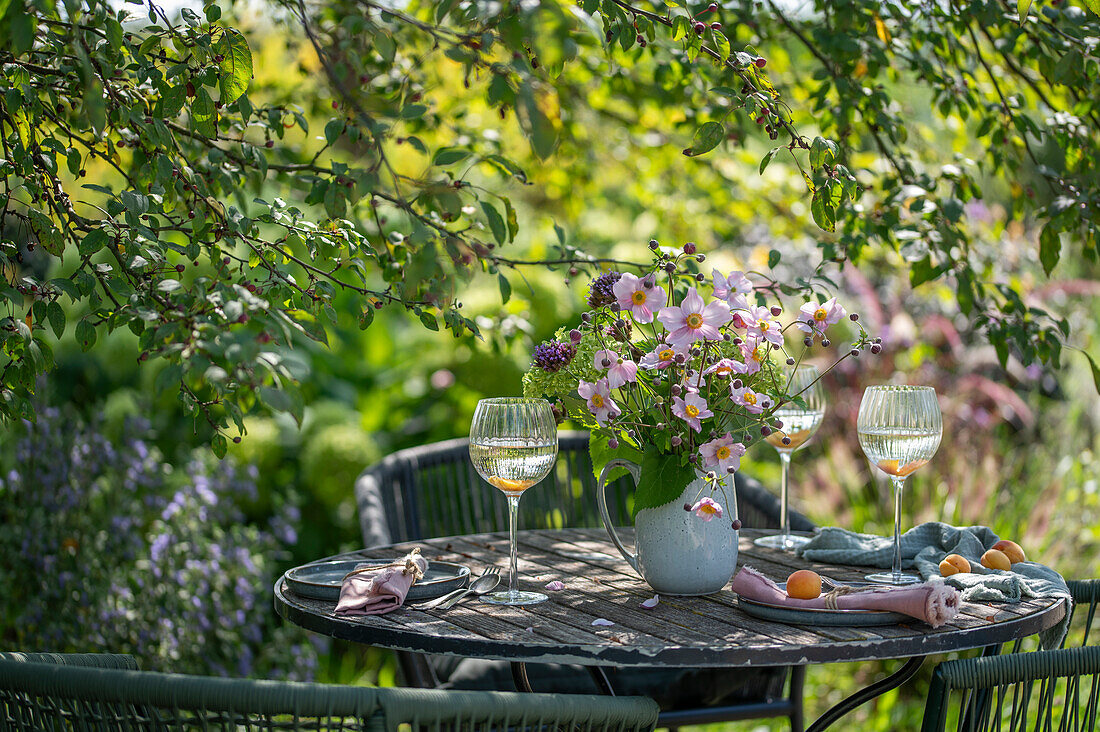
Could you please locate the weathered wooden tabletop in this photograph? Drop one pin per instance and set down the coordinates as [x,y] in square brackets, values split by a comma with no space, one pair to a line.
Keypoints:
[679,631]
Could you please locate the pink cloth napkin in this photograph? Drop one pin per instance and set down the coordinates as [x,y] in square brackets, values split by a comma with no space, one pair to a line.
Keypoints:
[376,590]
[933,602]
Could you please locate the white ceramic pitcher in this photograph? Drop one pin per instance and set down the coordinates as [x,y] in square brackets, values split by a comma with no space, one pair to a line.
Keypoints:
[678,553]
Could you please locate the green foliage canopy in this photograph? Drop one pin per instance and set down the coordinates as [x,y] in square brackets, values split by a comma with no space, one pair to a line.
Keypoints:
[228,216]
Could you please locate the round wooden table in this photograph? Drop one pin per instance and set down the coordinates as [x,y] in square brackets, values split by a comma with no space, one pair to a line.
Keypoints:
[710,631]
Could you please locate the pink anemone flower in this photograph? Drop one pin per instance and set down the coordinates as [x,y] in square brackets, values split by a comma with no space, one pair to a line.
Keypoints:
[816,317]
[736,284]
[619,370]
[659,358]
[692,408]
[727,366]
[722,453]
[754,353]
[599,400]
[640,296]
[692,320]
[761,326]
[707,508]
[752,401]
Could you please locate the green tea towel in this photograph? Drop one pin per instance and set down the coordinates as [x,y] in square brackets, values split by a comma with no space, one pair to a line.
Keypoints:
[922,549]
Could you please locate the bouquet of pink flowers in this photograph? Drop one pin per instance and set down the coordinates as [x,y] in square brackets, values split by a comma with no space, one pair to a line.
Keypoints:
[666,373]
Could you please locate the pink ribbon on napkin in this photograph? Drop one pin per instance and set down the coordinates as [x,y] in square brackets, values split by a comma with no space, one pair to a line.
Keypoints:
[933,602]
[374,590]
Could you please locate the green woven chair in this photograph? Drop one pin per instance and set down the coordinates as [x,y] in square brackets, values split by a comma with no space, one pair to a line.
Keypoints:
[434,490]
[59,696]
[1017,692]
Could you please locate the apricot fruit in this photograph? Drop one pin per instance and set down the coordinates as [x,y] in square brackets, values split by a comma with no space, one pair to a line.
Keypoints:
[996,559]
[805,584]
[1012,550]
[954,564]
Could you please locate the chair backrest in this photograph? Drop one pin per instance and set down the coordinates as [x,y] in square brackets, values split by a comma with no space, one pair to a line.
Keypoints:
[434,491]
[1040,690]
[1017,692]
[37,696]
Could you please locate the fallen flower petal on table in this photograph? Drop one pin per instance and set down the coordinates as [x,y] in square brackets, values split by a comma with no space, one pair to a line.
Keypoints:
[651,602]
[601,621]
[555,586]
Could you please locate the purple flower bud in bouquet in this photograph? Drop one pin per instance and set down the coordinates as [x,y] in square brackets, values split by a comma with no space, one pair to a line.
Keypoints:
[777,311]
[689,248]
[676,390]
[676,441]
[553,356]
[601,291]
[575,336]
[649,281]
[737,384]
[612,443]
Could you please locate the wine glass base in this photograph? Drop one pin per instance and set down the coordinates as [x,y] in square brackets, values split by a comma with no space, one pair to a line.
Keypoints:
[514,598]
[889,578]
[788,543]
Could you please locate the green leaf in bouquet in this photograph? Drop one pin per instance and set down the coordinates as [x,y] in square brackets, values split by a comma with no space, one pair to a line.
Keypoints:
[602,453]
[663,479]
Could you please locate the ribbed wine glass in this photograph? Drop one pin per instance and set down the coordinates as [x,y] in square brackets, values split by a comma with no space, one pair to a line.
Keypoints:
[799,425]
[899,429]
[513,445]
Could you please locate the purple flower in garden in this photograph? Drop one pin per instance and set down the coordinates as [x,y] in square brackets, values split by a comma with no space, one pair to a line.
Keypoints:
[692,320]
[599,400]
[659,358]
[640,296]
[749,399]
[619,370]
[601,292]
[816,317]
[722,453]
[707,508]
[762,327]
[553,356]
[691,409]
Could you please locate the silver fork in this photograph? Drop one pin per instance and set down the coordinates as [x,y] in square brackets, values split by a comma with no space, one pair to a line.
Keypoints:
[480,586]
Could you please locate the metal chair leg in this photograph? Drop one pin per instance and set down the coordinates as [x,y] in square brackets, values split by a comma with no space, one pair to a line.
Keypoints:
[798,684]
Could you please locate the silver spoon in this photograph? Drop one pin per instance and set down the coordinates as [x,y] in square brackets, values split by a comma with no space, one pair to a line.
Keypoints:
[480,586]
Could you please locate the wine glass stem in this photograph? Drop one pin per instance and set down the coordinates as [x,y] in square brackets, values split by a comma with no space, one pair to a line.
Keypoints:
[513,570]
[899,486]
[784,502]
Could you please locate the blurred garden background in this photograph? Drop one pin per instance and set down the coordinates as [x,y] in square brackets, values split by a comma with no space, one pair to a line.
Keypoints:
[121,530]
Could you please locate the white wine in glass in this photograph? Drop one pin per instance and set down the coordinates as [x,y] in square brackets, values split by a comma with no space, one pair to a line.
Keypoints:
[513,445]
[899,429]
[799,425]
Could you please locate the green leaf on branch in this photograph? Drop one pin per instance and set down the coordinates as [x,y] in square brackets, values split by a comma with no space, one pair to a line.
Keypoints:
[235,69]
[1095,371]
[505,289]
[722,44]
[496,223]
[48,235]
[1093,5]
[1050,248]
[538,116]
[85,334]
[681,26]
[1022,8]
[203,115]
[823,152]
[218,445]
[663,479]
[172,101]
[56,315]
[822,209]
[768,158]
[450,156]
[707,137]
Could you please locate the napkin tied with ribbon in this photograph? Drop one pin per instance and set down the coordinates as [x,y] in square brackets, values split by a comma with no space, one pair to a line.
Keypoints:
[933,602]
[374,590]
[923,547]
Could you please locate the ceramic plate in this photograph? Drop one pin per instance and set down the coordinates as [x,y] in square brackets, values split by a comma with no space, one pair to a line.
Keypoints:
[322,580]
[819,616]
